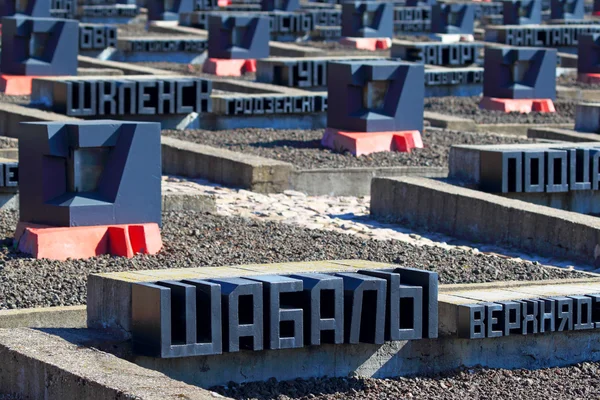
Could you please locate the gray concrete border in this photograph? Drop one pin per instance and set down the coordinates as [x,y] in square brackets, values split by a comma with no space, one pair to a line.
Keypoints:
[40,365]
[487,218]
[265,175]
[566,135]
[44,317]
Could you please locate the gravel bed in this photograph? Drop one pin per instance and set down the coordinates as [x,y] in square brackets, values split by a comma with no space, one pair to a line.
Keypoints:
[8,143]
[303,147]
[468,107]
[194,240]
[579,381]
[193,70]
[570,80]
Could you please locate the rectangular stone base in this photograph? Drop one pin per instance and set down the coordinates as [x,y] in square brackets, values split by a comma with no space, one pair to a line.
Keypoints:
[523,106]
[362,143]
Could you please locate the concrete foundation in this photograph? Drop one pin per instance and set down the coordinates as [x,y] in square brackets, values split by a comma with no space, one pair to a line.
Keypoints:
[418,357]
[587,117]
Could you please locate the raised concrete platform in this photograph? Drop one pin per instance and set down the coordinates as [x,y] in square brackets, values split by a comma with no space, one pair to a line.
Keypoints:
[265,175]
[110,298]
[487,218]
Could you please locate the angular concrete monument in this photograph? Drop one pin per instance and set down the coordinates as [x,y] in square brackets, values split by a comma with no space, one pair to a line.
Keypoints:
[36,47]
[374,106]
[367,25]
[235,41]
[89,188]
[519,79]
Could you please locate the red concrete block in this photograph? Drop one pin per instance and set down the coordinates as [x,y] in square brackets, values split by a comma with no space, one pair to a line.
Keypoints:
[362,143]
[224,3]
[227,67]
[523,106]
[590,79]
[16,85]
[370,44]
[60,243]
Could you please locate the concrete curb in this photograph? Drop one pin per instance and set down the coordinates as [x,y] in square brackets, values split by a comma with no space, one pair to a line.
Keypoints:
[567,135]
[438,120]
[46,317]
[223,166]
[487,218]
[39,365]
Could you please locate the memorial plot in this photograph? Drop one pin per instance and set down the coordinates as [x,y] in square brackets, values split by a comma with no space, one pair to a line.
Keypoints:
[522,12]
[36,47]
[453,22]
[374,106]
[234,44]
[89,188]
[519,80]
[210,316]
[588,58]
[367,25]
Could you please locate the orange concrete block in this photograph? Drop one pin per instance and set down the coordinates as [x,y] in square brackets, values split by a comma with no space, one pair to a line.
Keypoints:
[370,44]
[362,143]
[523,106]
[589,78]
[16,85]
[227,67]
[60,243]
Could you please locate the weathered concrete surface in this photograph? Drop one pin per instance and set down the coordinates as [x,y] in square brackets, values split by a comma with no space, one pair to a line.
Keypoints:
[438,120]
[514,129]
[99,71]
[47,317]
[352,181]
[487,218]
[417,357]
[567,135]
[188,202]
[11,154]
[223,166]
[38,365]
[11,115]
